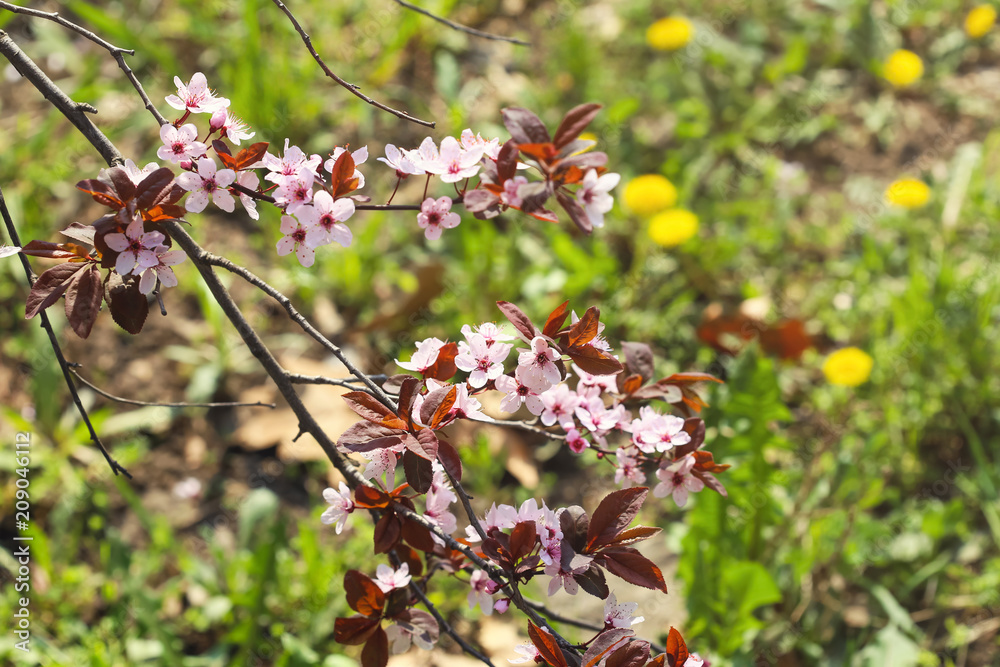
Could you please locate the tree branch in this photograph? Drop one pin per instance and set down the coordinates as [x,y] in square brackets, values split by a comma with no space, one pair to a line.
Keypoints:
[353,88]
[116,52]
[462,28]
[129,401]
[54,342]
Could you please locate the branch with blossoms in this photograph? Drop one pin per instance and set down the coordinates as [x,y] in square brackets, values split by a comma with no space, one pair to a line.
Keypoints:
[398,462]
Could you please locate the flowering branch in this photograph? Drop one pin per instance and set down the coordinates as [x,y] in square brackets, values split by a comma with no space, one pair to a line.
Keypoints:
[116,52]
[353,88]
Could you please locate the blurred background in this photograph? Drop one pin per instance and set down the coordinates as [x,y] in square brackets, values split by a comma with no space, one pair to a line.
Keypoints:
[804,211]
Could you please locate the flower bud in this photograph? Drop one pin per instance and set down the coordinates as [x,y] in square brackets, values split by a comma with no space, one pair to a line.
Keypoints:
[187,165]
[218,120]
[502,605]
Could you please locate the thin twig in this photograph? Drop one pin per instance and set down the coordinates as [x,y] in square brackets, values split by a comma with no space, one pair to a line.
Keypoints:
[253,194]
[54,342]
[129,401]
[462,28]
[527,426]
[353,88]
[116,52]
[349,383]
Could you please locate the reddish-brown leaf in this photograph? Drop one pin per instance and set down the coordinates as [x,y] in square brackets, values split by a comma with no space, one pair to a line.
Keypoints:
[630,384]
[48,250]
[639,358]
[408,390]
[594,361]
[614,514]
[436,406]
[251,155]
[342,174]
[711,482]
[424,445]
[633,567]
[695,427]
[450,459]
[419,472]
[677,651]
[412,558]
[555,320]
[575,524]
[368,497]
[602,645]
[80,232]
[369,408]
[786,339]
[593,581]
[101,192]
[585,328]
[376,650]
[547,646]
[574,122]
[522,539]
[658,661]
[417,536]
[51,285]
[388,530]
[129,307]
[575,212]
[354,630]
[479,200]
[691,378]
[524,126]
[83,300]
[507,161]
[444,367]
[705,462]
[544,152]
[363,595]
[520,321]
[634,535]
[155,188]
[364,436]
[123,185]
[632,654]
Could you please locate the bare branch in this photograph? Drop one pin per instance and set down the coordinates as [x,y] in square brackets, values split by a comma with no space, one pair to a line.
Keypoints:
[462,28]
[54,342]
[353,88]
[129,401]
[116,52]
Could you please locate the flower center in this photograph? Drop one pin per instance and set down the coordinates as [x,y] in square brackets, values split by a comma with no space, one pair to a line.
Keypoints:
[299,235]
[434,219]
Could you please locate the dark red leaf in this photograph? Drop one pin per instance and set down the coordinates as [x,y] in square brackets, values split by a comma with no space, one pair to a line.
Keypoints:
[408,390]
[695,427]
[388,530]
[354,630]
[614,514]
[507,161]
[574,122]
[594,361]
[524,126]
[534,195]
[368,407]
[711,482]
[634,535]
[603,643]
[376,650]
[419,472]
[450,459]
[365,436]
[444,367]
[129,307]
[575,524]
[80,232]
[479,200]
[122,183]
[593,581]
[343,174]
[154,188]
[629,385]
[424,445]
[253,154]
[658,661]
[520,321]
[411,558]
[555,320]
[677,651]
[639,358]
[222,148]
[363,595]
[547,646]
[632,654]
[575,212]
[83,300]
[51,285]
[691,378]
[633,567]
[522,539]
[369,497]
[418,536]
[585,328]
[48,250]
[101,192]
[436,405]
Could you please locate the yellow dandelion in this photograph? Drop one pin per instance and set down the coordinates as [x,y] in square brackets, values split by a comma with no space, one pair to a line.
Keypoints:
[670,34]
[673,227]
[649,194]
[908,193]
[980,20]
[903,68]
[848,367]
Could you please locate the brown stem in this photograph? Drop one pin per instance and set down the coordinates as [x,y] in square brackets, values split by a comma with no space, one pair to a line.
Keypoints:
[462,28]
[129,401]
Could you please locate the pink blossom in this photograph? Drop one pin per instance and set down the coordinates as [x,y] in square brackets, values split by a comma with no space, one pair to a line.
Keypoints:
[627,471]
[232,126]
[250,181]
[607,383]
[293,160]
[468,407]
[400,636]
[439,498]
[620,615]
[550,536]
[593,195]
[328,215]
[435,216]
[521,389]
[425,156]
[161,271]
[389,579]
[137,247]
[510,195]
[399,161]
[359,156]
[425,356]
[594,416]
[135,174]
[455,164]
[527,653]
[563,578]
[196,96]
[294,192]
[479,595]
[208,182]
[297,238]
[9,250]
[491,147]
[658,432]
[695,660]
[677,480]
[341,505]
[180,144]
[577,444]
[540,362]
[484,361]
[502,605]
[489,331]
[381,462]
[560,401]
